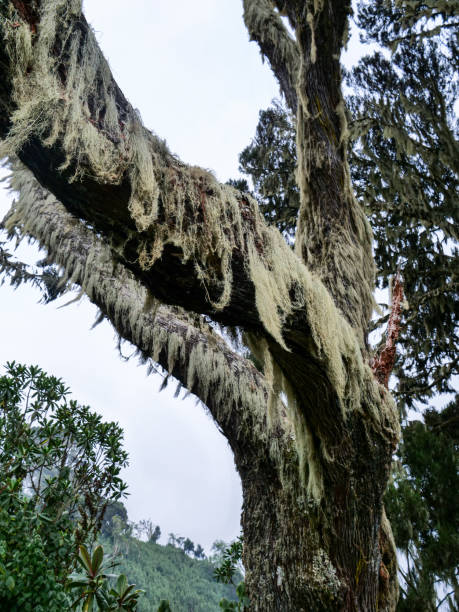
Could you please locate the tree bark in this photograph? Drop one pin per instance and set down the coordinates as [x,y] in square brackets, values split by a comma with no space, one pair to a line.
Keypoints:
[313,434]
[308,557]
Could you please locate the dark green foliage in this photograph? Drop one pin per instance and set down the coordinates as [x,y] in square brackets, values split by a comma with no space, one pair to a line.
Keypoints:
[270,162]
[392,22]
[404,162]
[155,535]
[228,571]
[188,546]
[34,555]
[242,602]
[59,463]
[405,172]
[168,573]
[146,529]
[228,566]
[45,277]
[199,552]
[114,508]
[422,502]
[96,587]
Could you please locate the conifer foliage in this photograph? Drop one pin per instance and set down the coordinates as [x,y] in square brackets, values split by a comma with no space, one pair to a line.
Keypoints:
[405,170]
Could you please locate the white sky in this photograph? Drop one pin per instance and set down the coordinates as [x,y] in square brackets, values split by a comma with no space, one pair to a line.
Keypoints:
[198,82]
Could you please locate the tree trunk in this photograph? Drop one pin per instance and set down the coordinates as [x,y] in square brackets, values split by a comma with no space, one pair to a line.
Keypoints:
[303,555]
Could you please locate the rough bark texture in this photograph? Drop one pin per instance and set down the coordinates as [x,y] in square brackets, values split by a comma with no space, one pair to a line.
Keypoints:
[133,225]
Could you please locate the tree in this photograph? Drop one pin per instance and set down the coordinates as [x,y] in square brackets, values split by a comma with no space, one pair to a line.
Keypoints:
[188,546]
[94,591]
[403,160]
[166,252]
[405,172]
[59,465]
[146,527]
[172,540]
[270,162]
[227,571]
[218,552]
[422,499]
[180,541]
[115,508]
[404,167]
[199,552]
[155,535]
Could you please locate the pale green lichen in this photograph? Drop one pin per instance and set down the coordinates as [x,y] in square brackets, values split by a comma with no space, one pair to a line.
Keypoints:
[309,461]
[78,112]
[323,573]
[282,282]
[265,26]
[345,263]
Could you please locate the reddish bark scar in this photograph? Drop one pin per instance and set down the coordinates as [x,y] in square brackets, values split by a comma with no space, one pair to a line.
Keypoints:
[27,13]
[383,364]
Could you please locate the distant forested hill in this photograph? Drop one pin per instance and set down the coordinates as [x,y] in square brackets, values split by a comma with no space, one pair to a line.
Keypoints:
[167,572]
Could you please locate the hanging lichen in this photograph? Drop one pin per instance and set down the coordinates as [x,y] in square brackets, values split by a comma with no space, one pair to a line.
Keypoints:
[65,94]
[333,236]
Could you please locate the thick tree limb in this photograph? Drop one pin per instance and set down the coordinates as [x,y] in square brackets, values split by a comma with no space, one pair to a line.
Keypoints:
[189,240]
[173,231]
[230,386]
[236,393]
[333,236]
[266,28]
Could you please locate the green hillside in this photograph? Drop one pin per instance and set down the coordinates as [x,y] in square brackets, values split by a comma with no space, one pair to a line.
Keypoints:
[166,572]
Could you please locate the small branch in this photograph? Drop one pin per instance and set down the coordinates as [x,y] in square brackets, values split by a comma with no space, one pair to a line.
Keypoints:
[266,28]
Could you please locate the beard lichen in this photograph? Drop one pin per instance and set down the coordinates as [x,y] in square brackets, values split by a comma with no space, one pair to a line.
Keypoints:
[333,235]
[282,282]
[65,95]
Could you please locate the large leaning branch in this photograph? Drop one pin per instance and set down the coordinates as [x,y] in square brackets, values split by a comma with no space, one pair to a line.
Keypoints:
[230,386]
[189,239]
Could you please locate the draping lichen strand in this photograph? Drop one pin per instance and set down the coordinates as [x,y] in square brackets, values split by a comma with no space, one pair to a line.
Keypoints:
[282,283]
[81,113]
[204,219]
[65,95]
[265,25]
[202,355]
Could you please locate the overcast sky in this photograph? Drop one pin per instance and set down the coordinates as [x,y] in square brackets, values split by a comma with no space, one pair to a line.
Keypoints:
[189,68]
